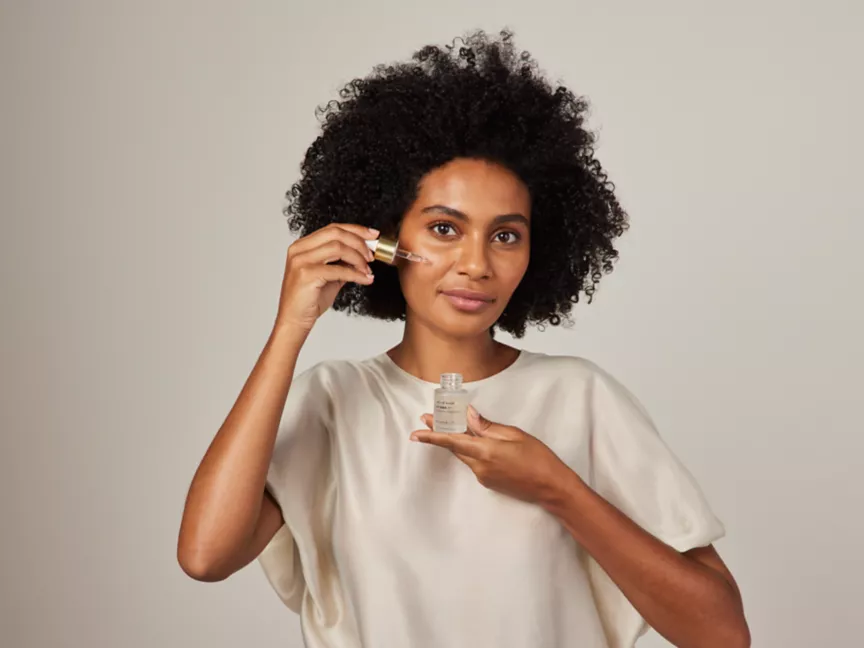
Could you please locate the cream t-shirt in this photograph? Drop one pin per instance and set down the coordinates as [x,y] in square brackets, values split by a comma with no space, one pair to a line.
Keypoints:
[390,543]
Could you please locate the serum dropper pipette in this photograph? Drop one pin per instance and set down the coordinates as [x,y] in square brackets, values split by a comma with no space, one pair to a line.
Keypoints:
[388,250]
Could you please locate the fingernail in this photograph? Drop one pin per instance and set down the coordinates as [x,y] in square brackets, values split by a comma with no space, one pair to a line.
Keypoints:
[374,232]
[414,437]
[473,412]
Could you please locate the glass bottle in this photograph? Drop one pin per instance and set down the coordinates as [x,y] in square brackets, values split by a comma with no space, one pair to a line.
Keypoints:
[451,405]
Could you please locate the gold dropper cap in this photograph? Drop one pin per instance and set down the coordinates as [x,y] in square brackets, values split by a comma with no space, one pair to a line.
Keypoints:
[384,249]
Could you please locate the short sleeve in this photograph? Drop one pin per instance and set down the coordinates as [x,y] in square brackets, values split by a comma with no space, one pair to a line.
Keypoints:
[298,478]
[634,470]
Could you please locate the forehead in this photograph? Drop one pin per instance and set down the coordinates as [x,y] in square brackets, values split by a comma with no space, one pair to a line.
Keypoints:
[476,187]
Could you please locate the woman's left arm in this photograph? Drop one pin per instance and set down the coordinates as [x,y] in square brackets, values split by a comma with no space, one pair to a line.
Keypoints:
[690,598]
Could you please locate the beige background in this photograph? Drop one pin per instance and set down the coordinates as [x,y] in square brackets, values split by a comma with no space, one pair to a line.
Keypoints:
[146,148]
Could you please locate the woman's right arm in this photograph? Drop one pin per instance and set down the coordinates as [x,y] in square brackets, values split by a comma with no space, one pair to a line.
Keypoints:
[229,518]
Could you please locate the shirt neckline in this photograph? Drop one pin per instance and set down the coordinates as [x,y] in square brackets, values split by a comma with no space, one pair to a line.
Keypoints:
[388,361]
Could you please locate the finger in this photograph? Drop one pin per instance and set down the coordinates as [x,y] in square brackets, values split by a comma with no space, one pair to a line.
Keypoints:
[360,230]
[330,273]
[471,462]
[479,425]
[459,443]
[354,236]
[332,252]
[357,235]
[429,420]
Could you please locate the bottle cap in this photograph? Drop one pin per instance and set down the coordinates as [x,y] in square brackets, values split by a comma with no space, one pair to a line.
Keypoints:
[384,249]
[451,380]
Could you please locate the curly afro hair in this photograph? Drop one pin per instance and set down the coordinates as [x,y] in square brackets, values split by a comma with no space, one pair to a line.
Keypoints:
[480,99]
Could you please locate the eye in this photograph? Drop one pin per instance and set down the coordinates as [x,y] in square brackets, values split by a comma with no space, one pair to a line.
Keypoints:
[502,237]
[442,229]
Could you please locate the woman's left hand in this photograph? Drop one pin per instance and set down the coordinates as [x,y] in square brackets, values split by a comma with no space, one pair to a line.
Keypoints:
[503,458]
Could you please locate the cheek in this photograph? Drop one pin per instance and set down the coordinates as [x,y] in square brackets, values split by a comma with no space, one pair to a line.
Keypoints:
[420,279]
[441,259]
[511,271]
[430,248]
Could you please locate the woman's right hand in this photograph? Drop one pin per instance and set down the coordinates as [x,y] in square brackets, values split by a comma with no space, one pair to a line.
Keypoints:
[317,267]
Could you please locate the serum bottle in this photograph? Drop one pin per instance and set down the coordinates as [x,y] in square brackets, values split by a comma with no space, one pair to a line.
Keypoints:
[451,405]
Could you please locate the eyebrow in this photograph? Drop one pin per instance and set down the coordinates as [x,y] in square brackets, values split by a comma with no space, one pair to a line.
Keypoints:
[455,213]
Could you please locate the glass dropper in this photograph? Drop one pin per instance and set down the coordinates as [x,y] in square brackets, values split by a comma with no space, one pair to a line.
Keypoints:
[388,250]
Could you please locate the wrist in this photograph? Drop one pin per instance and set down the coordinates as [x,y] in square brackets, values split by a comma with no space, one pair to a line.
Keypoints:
[565,487]
[288,334]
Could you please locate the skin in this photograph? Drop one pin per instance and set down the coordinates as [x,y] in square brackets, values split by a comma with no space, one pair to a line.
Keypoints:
[472,220]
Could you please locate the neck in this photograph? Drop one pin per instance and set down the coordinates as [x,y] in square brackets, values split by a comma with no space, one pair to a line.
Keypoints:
[426,353]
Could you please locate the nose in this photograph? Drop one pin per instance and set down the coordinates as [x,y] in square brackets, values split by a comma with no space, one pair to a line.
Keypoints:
[473,261]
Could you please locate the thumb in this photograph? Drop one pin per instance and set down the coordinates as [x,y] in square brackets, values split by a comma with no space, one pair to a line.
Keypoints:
[481,426]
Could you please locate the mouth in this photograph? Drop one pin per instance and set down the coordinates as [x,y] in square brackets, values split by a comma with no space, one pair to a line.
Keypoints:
[468,300]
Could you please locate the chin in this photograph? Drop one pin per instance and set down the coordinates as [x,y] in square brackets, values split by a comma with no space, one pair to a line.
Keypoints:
[460,326]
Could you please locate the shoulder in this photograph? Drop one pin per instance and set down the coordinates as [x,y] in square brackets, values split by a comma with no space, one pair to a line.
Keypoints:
[569,367]
[332,375]
[577,375]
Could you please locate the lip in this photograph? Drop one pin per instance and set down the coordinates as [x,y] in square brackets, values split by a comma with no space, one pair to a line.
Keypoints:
[468,300]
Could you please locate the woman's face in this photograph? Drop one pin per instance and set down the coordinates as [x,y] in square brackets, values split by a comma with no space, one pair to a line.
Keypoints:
[471,220]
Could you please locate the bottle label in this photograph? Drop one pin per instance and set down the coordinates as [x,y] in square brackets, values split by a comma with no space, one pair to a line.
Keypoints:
[450,412]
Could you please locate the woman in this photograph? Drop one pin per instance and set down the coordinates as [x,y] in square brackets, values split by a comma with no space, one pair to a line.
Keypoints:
[560,518]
